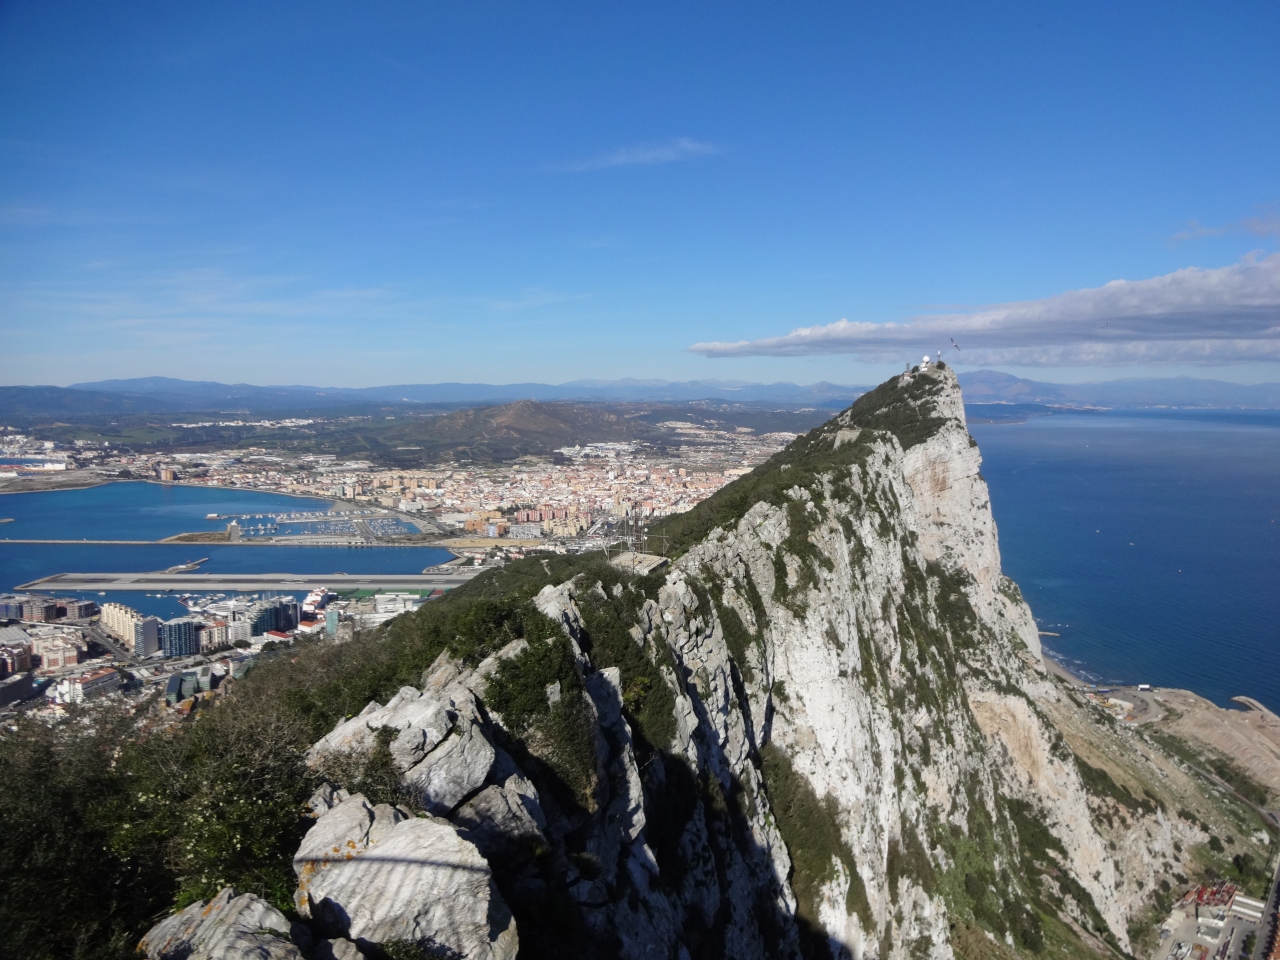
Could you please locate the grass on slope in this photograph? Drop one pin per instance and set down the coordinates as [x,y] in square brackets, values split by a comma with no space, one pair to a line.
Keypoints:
[906,411]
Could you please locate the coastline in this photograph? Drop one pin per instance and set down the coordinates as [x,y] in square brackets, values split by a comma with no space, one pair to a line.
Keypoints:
[88,483]
[1058,670]
[1248,734]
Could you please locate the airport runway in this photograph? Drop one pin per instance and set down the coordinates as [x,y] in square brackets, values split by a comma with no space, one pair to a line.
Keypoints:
[250,582]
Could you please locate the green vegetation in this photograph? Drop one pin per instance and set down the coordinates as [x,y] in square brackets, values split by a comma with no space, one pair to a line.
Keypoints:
[908,412]
[562,734]
[811,830]
[127,820]
[1238,779]
[1037,846]
[905,411]
[101,829]
[1098,782]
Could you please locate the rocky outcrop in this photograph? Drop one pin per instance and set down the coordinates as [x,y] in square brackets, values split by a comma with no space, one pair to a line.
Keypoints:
[228,927]
[372,875]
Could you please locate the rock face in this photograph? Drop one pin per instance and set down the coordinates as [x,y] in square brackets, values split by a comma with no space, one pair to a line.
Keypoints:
[826,731]
[228,927]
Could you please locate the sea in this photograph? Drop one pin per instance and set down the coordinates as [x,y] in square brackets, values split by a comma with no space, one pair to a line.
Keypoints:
[137,510]
[1149,544]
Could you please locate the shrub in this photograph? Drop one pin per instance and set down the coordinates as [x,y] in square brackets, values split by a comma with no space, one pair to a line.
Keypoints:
[811,830]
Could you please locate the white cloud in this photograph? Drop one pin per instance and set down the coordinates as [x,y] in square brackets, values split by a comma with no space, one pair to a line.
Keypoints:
[640,154]
[1265,224]
[1191,315]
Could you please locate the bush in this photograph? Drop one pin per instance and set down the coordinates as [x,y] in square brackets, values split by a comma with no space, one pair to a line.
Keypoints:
[811,830]
[906,411]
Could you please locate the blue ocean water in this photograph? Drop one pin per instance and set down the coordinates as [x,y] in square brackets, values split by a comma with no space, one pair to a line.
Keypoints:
[148,511]
[1150,543]
[135,510]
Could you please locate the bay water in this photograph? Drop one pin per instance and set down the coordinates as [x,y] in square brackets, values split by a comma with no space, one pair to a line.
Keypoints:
[149,511]
[1150,544]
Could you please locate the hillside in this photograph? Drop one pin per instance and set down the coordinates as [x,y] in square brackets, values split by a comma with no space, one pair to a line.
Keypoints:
[393,436]
[824,731]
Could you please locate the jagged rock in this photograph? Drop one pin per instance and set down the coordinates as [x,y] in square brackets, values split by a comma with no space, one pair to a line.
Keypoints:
[421,719]
[883,675]
[228,927]
[345,831]
[420,882]
[453,771]
[326,797]
[499,818]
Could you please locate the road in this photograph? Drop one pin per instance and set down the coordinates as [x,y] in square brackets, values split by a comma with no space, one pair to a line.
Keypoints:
[103,639]
[251,582]
[1270,917]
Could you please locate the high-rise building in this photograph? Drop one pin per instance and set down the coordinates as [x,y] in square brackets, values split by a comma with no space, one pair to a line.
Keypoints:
[281,613]
[262,617]
[213,636]
[178,637]
[146,636]
[118,620]
[331,622]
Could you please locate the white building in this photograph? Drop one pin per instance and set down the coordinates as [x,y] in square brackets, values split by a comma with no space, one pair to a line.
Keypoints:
[98,683]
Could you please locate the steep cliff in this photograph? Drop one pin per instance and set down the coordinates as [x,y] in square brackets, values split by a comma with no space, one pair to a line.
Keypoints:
[824,730]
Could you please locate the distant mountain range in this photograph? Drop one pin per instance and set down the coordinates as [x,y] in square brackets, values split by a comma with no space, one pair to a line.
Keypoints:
[147,395]
[206,392]
[990,386]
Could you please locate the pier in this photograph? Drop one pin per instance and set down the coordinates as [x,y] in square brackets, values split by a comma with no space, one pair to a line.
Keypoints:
[251,582]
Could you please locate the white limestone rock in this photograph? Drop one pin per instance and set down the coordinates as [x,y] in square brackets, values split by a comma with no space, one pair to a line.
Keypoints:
[336,950]
[327,796]
[345,831]
[499,818]
[453,771]
[228,927]
[420,719]
[420,882]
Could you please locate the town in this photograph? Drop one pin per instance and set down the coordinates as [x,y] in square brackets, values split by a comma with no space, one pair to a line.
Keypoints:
[568,499]
[74,651]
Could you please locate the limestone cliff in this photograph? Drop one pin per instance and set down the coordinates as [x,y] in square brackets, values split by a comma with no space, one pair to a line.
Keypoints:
[825,730]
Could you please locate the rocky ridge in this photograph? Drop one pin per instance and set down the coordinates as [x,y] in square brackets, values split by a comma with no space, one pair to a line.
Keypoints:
[824,731]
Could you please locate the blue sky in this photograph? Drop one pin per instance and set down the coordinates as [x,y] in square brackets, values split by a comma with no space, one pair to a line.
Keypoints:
[356,194]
